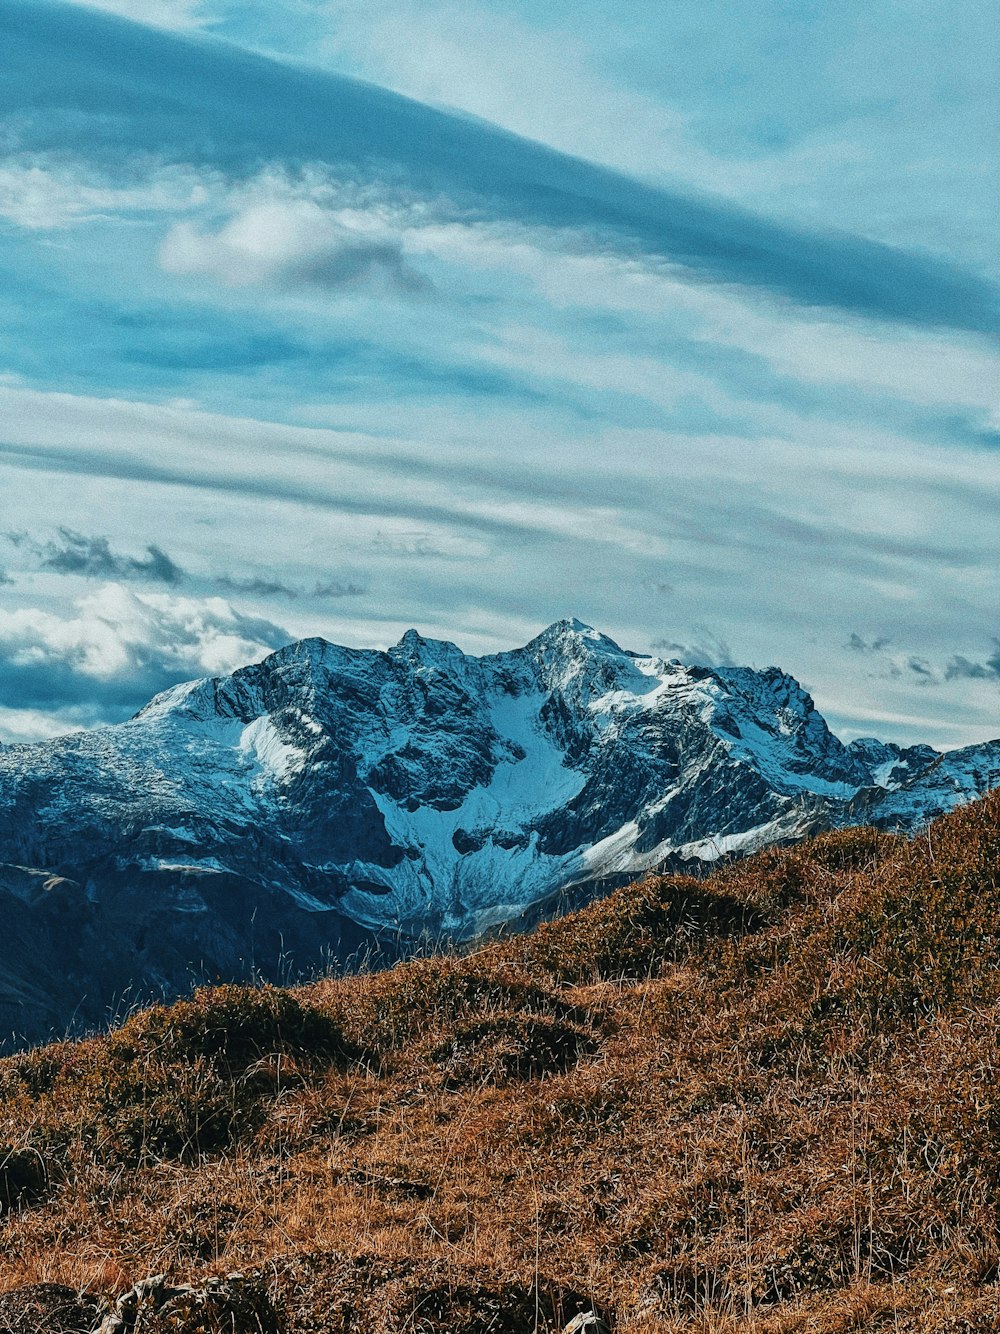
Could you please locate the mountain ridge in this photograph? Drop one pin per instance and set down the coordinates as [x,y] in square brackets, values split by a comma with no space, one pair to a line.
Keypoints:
[331,799]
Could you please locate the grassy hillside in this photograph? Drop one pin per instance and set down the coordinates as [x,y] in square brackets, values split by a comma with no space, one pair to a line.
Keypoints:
[766,1101]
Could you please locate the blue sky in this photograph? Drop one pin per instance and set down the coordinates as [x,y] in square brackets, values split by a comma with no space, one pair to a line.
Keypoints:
[330,317]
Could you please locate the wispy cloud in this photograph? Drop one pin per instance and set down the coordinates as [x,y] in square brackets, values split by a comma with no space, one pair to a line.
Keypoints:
[960,668]
[257,587]
[896,663]
[858,645]
[335,588]
[232,111]
[705,649]
[45,192]
[92,557]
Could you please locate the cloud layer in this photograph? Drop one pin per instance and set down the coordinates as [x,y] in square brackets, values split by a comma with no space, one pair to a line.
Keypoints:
[232,110]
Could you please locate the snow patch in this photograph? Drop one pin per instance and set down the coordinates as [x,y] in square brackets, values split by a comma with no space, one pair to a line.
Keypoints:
[276,757]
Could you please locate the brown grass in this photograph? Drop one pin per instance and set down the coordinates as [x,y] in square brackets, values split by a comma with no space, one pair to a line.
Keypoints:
[766,1101]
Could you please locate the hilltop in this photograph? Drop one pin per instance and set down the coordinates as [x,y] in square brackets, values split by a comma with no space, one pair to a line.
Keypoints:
[766,1100]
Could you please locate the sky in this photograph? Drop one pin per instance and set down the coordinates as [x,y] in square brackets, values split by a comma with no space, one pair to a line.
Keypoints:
[337,317]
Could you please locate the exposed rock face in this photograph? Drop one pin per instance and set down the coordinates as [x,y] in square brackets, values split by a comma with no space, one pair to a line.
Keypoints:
[330,797]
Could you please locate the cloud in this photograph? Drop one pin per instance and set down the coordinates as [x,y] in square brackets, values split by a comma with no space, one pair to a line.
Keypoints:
[93,558]
[262,588]
[117,648]
[960,668]
[288,244]
[270,588]
[858,645]
[423,545]
[333,588]
[706,650]
[925,671]
[881,122]
[456,53]
[922,670]
[175,15]
[45,192]
[70,81]
[20,726]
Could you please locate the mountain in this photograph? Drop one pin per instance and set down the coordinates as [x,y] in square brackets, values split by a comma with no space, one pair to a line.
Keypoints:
[329,800]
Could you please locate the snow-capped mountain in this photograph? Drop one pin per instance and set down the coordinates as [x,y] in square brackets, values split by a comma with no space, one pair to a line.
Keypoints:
[328,796]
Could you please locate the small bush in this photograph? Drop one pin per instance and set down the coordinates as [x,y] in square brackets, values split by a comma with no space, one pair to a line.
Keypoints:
[47,1308]
[233,1027]
[635,931]
[387,1011]
[518,1046]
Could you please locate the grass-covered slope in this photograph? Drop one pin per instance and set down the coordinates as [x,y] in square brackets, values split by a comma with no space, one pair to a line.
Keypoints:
[765,1101]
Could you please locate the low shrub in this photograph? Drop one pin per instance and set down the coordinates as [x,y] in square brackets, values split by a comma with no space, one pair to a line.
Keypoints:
[233,1027]
[510,1046]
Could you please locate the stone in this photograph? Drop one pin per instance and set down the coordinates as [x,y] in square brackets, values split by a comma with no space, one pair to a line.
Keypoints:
[587,1322]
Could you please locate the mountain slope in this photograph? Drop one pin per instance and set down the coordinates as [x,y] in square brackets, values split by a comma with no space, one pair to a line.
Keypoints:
[330,797]
[764,1100]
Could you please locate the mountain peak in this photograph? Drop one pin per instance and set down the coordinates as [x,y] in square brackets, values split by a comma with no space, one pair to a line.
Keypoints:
[414,647]
[572,630]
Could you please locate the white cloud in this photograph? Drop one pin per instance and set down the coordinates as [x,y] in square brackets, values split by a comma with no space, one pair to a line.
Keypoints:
[177,15]
[116,634]
[26,725]
[291,242]
[40,194]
